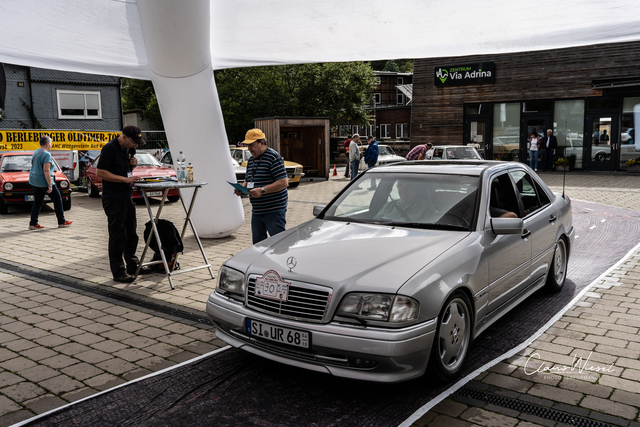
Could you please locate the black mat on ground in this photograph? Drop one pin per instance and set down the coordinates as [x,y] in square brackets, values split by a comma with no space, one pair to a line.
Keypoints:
[236,388]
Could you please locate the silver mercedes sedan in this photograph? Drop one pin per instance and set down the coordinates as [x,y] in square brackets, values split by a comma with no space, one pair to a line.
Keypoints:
[399,272]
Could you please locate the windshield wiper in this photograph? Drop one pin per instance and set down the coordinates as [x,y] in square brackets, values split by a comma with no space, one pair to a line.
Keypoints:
[431,226]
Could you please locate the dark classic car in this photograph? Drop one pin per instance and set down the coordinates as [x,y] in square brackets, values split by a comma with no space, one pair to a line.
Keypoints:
[14,181]
[399,272]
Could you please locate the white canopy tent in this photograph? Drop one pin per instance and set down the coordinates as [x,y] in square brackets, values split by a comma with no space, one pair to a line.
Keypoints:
[177,44]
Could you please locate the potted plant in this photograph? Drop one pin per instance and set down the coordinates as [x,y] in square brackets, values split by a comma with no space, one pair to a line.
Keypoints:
[633,165]
[562,164]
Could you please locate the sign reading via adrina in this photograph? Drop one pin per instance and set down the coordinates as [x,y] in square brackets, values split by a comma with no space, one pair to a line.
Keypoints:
[29,140]
[469,74]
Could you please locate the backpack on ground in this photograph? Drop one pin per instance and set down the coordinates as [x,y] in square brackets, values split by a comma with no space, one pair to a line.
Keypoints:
[171,244]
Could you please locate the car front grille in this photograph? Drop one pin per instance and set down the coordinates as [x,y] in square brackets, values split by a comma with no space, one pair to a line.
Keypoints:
[307,303]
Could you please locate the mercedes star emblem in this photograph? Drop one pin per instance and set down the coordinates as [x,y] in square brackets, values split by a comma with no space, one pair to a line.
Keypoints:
[291,263]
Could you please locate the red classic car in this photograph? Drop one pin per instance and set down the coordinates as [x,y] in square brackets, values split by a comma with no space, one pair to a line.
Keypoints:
[148,168]
[14,181]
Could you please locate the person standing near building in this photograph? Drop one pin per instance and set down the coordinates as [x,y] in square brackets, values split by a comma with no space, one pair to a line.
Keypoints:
[548,144]
[115,168]
[534,146]
[42,180]
[371,153]
[354,155]
[266,179]
[347,142]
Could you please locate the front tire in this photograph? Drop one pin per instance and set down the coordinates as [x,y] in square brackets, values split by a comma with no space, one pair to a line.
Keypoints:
[515,155]
[92,190]
[601,157]
[453,337]
[3,207]
[294,184]
[173,199]
[558,270]
[66,204]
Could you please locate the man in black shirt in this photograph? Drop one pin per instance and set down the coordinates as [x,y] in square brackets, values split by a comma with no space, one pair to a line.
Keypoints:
[115,167]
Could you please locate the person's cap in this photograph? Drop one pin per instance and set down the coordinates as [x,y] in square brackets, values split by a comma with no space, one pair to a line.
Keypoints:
[252,136]
[134,133]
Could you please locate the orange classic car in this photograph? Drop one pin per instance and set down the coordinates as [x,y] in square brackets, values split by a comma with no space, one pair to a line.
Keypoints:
[14,181]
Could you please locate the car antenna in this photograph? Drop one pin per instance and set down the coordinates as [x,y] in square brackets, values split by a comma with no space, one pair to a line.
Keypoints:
[564,178]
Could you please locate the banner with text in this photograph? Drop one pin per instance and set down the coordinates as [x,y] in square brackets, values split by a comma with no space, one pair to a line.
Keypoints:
[469,74]
[29,140]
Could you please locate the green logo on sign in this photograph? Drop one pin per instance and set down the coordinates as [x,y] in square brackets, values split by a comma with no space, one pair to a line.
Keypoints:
[442,74]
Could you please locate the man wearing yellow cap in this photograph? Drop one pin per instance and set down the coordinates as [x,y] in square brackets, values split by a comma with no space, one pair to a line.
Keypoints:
[266,179]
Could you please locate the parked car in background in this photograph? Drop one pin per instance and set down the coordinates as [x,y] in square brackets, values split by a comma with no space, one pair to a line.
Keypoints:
[386,156]
[68,162]
[294,170]
[455,152]
[14,181]
[240,171]
[506,148]
[399,272]
[148,168]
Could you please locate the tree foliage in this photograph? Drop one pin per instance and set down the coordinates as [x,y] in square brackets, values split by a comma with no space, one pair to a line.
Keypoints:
[139,95]
[404,65]
[391,66]
[335,90]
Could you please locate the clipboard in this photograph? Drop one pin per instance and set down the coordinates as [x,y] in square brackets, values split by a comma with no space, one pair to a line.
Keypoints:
[241,188]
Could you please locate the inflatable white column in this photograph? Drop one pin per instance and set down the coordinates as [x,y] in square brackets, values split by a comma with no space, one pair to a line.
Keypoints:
[177,38]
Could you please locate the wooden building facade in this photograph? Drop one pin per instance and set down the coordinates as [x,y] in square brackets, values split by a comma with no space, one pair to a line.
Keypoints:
[303,140]
[586,95]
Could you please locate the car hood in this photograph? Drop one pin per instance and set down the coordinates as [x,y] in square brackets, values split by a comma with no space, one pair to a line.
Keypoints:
[348,256]
[24,176]
[152,171]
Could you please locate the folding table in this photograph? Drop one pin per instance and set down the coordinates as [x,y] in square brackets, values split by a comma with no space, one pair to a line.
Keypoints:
[147,187]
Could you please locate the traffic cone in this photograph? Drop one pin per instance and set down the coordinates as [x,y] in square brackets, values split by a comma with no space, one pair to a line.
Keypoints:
[335,170]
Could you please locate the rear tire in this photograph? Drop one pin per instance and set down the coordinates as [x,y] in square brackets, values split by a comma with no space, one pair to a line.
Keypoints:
[139,201]
[294,184]
[173,199]
[601,157]
[3,207]
[558,269]
[92,190]
[515,155]
[453,337]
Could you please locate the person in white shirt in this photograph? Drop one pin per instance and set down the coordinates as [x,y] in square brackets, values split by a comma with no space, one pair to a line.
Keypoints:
[354,155]
[534,146]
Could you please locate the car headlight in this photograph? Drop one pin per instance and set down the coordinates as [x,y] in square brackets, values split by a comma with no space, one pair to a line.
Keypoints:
[8,186]
[298,170]
[230,280]
[384,307]
[64,184]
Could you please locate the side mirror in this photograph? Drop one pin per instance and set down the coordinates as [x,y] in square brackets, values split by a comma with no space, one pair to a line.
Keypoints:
[507,225]
[317,209]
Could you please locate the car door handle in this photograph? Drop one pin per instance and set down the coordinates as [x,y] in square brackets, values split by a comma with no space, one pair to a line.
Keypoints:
[552,218]
[525,233]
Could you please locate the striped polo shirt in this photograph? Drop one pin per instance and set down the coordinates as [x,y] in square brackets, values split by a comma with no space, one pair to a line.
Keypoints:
[265,170]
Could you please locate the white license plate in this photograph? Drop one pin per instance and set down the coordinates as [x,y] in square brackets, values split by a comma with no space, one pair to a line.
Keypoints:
[154,194]
[278,334]
[31,198]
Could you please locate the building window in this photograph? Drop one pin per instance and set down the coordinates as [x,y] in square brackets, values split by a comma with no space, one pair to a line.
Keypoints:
[400,98]
[377,98]
[371,131]
[74,104]
[568,119]
[355,129]
[400,81]
[385,131]
[402,130]
[506,130]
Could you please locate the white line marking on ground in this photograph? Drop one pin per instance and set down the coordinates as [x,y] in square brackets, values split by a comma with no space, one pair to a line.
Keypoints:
[433,402]
[220,350]
[592,227]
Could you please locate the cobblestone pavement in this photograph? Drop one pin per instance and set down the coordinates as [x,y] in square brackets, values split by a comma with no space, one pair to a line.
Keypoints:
[68,331]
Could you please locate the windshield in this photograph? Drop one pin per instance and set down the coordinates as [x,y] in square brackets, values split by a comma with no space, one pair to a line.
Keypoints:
[20,163]
[146,159]
[412,200]
[462,153]
[384,150]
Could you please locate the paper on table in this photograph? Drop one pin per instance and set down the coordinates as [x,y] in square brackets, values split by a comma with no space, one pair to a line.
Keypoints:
[241,188]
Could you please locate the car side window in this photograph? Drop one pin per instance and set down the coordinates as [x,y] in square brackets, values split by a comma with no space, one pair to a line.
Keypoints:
[503,201]
[237,155]
[527,191]
[167,160]
[437,153]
